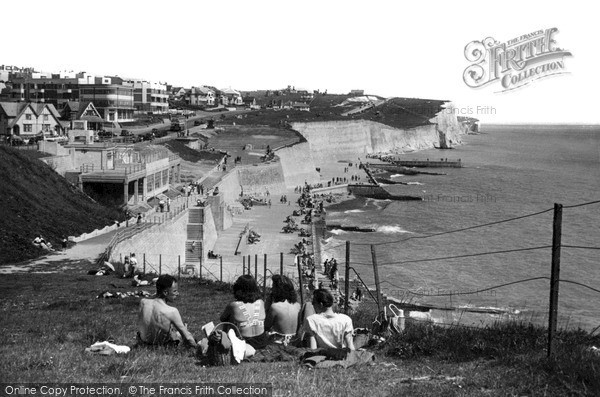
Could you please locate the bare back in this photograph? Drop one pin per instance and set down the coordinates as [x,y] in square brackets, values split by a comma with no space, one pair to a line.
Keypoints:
[155,324]
[283,317]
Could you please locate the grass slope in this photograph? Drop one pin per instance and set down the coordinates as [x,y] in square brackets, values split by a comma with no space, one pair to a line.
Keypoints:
[36,200]
[399,113]
[49,319]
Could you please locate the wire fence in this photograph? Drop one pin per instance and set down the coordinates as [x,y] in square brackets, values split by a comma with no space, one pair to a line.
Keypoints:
[362,283]
[400,290]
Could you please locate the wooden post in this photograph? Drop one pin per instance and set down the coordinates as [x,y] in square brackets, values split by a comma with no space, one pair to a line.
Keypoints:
[256,266]
[347,278]
[221,265]
[555,276]
[178,267]
[249,265]
[159,264]
[200,271]
[300,281]
[281,263]
[265,275]
[144,263]
[376,274]
[244,264]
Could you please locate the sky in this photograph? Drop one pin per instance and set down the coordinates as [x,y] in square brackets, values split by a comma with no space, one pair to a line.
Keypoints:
[387,48]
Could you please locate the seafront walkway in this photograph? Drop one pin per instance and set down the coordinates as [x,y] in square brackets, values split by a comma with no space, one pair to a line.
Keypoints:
[268,222]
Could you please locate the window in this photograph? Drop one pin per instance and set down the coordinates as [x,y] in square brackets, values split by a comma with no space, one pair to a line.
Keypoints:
[27,128]
[46,127]
[27,117]
[45,117]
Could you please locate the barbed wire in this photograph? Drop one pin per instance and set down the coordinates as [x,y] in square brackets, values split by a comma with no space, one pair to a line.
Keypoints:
[580,247]
[582,204]
[580,284]
[472,292]
[459,230]
[459,256]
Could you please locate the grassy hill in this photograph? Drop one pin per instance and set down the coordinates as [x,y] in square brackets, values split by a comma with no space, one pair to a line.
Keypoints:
[36,200]
[396,112]
[51,318]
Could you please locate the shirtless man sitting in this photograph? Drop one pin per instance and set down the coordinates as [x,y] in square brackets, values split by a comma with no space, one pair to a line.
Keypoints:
[159,323]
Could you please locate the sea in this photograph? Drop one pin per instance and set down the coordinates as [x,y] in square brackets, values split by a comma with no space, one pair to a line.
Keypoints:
[498,266]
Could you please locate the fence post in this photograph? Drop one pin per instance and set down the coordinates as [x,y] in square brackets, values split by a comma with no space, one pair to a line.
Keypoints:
[256,266]
[200,270]
[300,281]
[376,274]
[281,263]
[221,265]
[249,265]
[347,278]
[144,263]
[243,264]
[159,264]
[178,267]
[265,276]
[555,276]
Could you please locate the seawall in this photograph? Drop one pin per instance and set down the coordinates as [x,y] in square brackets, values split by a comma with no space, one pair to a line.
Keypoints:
[297,164]
[163,245]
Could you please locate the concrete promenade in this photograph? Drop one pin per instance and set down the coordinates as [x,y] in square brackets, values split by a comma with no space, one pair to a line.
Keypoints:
[268,222]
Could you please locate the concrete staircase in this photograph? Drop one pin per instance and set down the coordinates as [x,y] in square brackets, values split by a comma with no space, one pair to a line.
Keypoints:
[194,245]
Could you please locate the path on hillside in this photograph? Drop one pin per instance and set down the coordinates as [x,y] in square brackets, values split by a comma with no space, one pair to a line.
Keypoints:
[85,251]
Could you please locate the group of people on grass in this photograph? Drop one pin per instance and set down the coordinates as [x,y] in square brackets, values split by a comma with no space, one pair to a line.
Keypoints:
[281,320]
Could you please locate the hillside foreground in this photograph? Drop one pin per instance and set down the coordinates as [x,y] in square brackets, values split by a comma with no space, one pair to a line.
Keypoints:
[38,201]
[49,320]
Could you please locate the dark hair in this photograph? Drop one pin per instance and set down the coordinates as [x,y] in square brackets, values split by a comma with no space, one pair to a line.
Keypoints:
[323,297]
[164,282]
[283,289]
[245,289]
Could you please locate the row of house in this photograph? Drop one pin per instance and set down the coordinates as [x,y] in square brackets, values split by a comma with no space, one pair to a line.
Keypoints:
[26,120]
[208,96]
[115,98]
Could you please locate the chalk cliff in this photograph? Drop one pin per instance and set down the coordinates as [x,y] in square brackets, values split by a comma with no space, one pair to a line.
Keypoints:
[337,140]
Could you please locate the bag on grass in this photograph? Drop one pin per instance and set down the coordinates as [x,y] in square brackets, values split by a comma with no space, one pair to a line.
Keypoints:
[386,325]
[220,350]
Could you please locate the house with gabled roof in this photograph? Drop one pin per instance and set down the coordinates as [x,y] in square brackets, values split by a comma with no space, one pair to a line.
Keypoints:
[230,97]
[82,113]
[28,120]
[178,93]
[202,95]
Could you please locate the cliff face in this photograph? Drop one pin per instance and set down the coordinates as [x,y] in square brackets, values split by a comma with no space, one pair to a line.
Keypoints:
[448,126]
[337,140]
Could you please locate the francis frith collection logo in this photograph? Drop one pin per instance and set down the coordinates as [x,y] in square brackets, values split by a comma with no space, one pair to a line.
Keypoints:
[515,63]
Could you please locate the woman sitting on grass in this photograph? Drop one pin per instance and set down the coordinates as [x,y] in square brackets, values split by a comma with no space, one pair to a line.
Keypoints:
[327,329]
[282,314]
[247,312]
